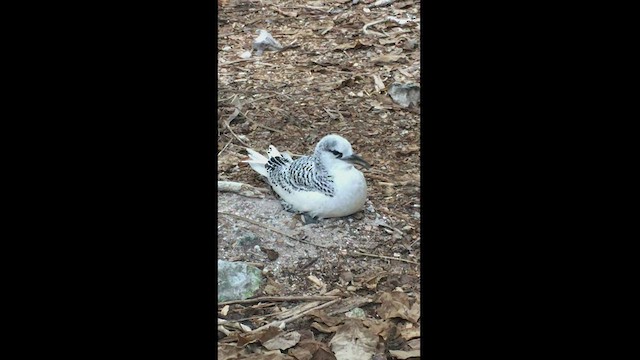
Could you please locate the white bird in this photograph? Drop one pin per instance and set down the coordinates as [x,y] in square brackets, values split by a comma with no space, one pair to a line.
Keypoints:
[323,185]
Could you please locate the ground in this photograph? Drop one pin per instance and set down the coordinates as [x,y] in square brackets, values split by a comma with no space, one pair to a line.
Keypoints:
[332,77]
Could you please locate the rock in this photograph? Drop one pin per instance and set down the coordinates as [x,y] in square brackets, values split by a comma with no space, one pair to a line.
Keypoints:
[237,280]
[405,94]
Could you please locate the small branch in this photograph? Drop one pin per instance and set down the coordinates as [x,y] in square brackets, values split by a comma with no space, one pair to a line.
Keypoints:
[225,147]
[237,61]
[277,323]
[241,189]
[385,257]
[364,28]
[226,123]
[280,298]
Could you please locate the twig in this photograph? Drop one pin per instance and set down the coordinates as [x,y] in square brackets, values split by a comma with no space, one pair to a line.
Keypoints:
[364,28]
[262,126]
[237,61]
[385,257]
[277,323]
[241,189]
[272,229]
[280,298]
[226,123]
[225,147]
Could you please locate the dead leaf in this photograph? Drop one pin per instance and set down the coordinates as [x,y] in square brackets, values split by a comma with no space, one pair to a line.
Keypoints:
[262,336]
[414,344]
[323,328]
[228,352]
[353,342]
[311,349]
[282,341]
[328,320]
[378,83]
[410,333]
[395,305]
[399,354]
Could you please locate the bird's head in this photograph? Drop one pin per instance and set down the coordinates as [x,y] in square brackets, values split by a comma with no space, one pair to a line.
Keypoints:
[334,149]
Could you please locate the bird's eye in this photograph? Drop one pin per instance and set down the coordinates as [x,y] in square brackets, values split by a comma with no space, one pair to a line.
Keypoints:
[337,153]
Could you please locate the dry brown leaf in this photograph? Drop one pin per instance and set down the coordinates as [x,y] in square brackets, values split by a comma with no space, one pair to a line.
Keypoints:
[282,341]
[414,344]
[311,349]
[395,305]
[262,336]
[371,282]
[403,4]
[322,316]
[323,328]
[270,355]
[410,333]
[399,354]
[300,353]
[379,327]
[230,352]
[353,341]
[378,83]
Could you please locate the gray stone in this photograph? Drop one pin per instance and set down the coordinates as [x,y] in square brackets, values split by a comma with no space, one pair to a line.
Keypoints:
[237,280]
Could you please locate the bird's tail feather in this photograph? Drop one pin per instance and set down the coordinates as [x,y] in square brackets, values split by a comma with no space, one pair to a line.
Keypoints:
[257,162]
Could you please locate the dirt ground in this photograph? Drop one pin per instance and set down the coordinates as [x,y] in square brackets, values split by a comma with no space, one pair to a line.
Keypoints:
[332,77]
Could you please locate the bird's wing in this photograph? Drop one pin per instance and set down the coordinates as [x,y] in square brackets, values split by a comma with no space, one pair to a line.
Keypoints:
[302,174]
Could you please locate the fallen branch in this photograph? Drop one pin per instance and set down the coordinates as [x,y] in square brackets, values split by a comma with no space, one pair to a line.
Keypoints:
[280,298]
[241,189]
[237,61]
[279,323]
[226,123]
[385,257]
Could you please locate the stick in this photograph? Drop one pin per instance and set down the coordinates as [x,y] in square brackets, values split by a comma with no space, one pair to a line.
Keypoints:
[280,298]
[277,323]
[241,189]
[385,257]
[236,61]
[226,123]
[225,147]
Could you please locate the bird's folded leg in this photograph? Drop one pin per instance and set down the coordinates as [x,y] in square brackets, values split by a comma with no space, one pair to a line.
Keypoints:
[308,219]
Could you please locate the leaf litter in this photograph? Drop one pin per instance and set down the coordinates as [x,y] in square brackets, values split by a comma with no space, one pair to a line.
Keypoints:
[344,288]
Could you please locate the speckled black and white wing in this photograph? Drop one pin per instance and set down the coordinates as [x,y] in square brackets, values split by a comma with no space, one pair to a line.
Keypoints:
[302,174]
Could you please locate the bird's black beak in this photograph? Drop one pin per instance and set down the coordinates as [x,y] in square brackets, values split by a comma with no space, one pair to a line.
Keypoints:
[355,159]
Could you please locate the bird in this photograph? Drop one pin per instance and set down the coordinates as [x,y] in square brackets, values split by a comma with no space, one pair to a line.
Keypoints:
[323,185]
[265,41]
